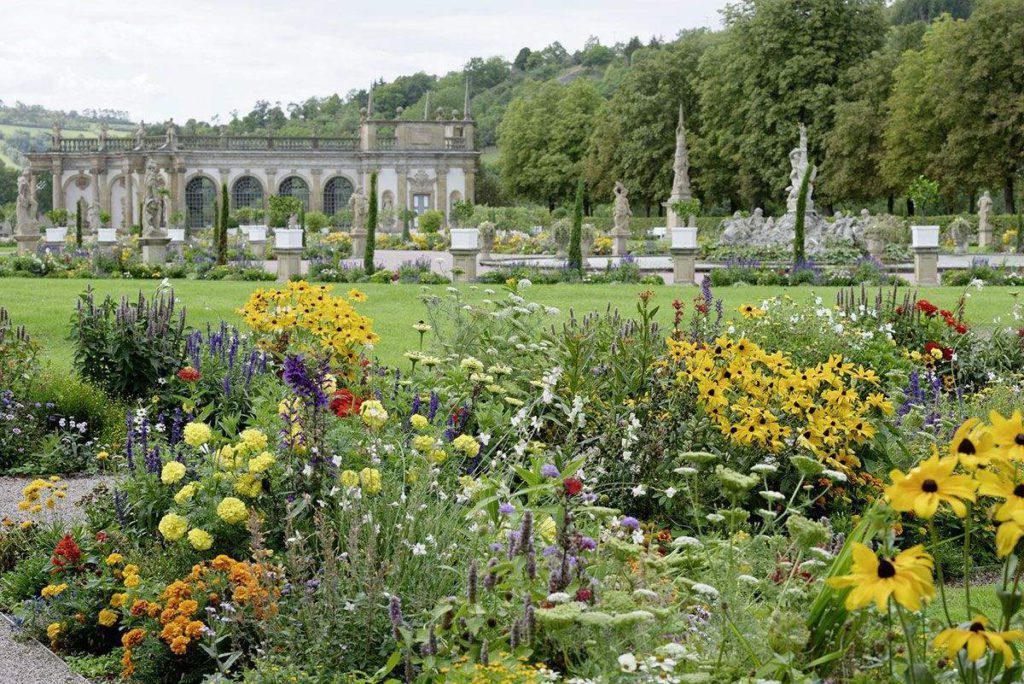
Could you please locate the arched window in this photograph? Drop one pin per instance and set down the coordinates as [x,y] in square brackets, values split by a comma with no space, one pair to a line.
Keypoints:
[336,194]
[293,186]
[200,202]
[247,192]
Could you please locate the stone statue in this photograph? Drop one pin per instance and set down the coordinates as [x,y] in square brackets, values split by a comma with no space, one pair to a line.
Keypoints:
[172,135]
[103,136]
[960,233]
[55,135]
[140,135]
[27,205]
[798,162]
[153,200]
[984,224]
[621,212]
[93,222]
[293,221]
[360,206]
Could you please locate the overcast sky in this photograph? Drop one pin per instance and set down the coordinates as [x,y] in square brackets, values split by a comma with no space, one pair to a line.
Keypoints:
[197,58]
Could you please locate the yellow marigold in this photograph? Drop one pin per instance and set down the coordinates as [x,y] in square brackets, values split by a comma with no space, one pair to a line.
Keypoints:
[231,510]
[438,456]
[51,590]
[53,630]
[419,422]
[118,600]
[423,443]
[201,540]
[261,463]
[373,414]
[133,637]
[253,439]
[370,479]
[186,493]
[467,445]
[172,472]
[179,645]
[131,569]
[197,434]
[107,617]
[249,485]
[131,581]
[350,478]
[173,527]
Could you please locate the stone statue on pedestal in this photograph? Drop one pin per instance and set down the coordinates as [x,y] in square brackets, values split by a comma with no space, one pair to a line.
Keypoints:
[104,133]
[984,224]
[621,214]
[26,206]
[680,174]
[140,135]
[93,222]
[799,160]
[55,136]
[153,201]
[172,135]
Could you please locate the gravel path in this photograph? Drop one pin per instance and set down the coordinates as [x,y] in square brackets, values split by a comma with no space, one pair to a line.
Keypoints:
[29,662]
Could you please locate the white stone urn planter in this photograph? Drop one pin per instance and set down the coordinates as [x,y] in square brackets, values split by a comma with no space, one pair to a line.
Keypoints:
[255,233]
[924,237]
[684,237]
[106,236]
[55,235]
[288,238]
[177,235]
[465,238]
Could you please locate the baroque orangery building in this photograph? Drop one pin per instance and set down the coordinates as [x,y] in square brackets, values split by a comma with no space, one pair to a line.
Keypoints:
[420,164]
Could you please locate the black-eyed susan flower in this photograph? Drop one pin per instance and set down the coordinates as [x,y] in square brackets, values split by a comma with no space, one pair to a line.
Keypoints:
[907,578]
[972,444]
[1003,483]
[1008,534]
[1008,435]
[927,485]
[977,638]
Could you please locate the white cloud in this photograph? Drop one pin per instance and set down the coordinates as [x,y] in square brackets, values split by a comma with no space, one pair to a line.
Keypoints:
[186,58]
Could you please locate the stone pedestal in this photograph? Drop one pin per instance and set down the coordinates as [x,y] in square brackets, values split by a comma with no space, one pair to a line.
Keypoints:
[926,265]
[984,237]
[620,246]
[684,265]
[289,263]
[464,265]
[258,248]
[27,244]
[154,249]
[358,243]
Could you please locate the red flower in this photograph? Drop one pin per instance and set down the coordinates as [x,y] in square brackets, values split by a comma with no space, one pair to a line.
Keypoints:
[947,353]
[926,307]
[899,310]
[961,328]
[189,374]
[946,314]
[66,553]
[584,595]
[1020,333]
[101,536]
[573,486]
[345,403]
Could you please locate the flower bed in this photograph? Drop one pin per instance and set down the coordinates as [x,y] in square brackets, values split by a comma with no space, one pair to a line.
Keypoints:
[780,491]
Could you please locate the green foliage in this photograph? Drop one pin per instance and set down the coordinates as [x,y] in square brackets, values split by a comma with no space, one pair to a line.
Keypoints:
[924,193]
[461,212]
[127,348]
[576,236]
[78,226]
[371,225]
[59,217]
[315,220]
[909,11]
[430,221]
[281,208]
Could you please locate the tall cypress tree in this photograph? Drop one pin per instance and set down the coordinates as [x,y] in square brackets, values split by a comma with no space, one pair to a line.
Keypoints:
[78,225]
[371,226]
[576,236]
[222,228]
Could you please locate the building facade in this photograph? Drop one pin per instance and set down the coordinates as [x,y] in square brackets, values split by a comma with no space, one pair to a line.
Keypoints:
[420,165]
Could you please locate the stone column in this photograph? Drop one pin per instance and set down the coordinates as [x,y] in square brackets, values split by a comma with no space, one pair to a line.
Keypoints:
[58,184]
[316,190]
[289,263]
[179,205]
[271,187]
[926,265]
[129,194]
[471,184]
[442,193]
[402,200]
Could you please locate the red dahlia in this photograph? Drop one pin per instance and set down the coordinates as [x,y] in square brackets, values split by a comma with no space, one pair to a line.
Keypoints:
[66,553]
[926,307]
[573,485]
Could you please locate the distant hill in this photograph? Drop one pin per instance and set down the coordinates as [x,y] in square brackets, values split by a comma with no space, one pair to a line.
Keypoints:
[26,128]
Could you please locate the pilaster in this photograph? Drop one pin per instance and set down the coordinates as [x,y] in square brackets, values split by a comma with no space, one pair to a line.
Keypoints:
[316,190]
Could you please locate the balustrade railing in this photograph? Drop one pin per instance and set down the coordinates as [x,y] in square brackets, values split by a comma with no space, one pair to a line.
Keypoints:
[244,144]
[454,143]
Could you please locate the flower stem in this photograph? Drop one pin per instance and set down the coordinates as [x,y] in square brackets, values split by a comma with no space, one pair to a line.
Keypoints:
[938,572]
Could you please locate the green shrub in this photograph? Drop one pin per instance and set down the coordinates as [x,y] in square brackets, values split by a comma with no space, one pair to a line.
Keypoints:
[430,221]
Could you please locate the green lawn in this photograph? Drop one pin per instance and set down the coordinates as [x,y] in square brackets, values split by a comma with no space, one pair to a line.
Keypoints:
[45,306]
